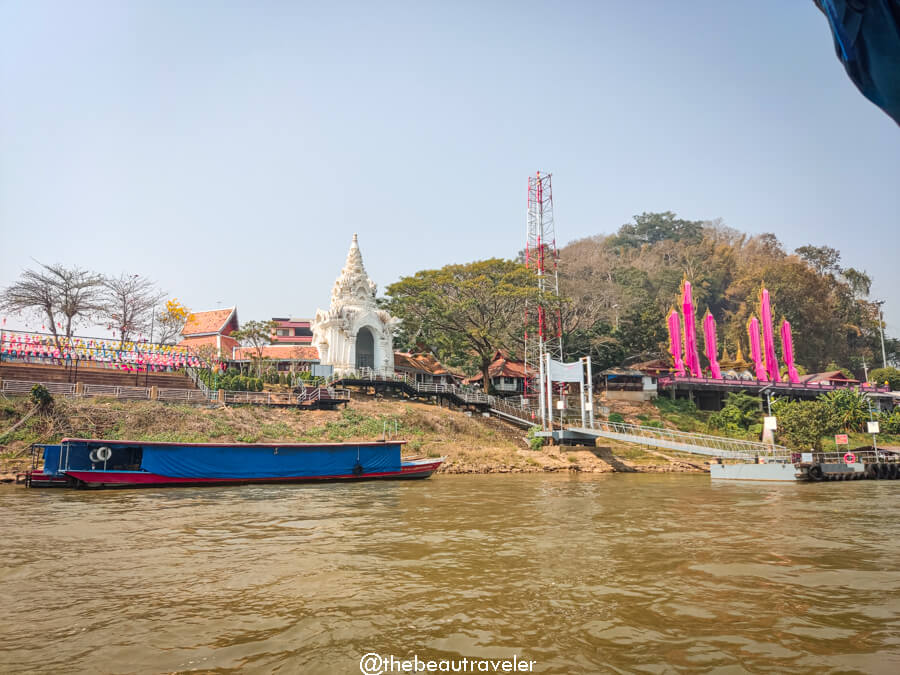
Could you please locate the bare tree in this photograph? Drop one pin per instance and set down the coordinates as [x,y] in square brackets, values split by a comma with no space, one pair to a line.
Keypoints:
[129,300]
[55,291]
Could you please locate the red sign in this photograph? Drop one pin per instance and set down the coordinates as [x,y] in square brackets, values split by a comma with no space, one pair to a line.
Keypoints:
[841,439]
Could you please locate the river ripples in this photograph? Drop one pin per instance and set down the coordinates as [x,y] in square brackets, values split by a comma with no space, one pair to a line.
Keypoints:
[614,573]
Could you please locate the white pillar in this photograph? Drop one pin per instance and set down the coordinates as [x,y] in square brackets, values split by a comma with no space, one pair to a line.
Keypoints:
[541,398]
[549,393]
[581,394]
[590,380]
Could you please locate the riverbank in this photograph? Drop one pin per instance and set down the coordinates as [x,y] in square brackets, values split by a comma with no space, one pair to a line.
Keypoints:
[472,444]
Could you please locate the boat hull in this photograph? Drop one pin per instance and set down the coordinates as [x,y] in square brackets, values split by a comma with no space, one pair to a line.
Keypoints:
[132,479]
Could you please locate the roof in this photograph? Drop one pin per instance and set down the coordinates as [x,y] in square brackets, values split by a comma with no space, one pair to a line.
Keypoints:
[424,362]
[196,342]
[504,366]
[657,365]
[622,372]
[830,376]
[277,353]
[209,323]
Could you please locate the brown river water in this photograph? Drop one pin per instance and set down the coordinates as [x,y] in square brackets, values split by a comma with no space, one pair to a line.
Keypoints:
[581,574]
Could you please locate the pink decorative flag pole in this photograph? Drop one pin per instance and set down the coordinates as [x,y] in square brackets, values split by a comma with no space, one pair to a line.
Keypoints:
[765,314]
[787,351]
[755,351]
[674,324]
[691,357]
[709,342]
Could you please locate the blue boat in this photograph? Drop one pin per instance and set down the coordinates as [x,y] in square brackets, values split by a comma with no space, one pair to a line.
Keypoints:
[96,463]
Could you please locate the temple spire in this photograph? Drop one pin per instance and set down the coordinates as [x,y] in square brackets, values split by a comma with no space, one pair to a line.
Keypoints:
[353,284]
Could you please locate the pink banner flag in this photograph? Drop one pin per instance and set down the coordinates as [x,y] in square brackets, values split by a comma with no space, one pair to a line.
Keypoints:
[787,351]
[674,324]
[691,356]
[755,350]
[709,342]
[765,315]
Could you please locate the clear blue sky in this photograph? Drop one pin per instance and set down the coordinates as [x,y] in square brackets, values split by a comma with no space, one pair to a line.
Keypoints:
[230,149]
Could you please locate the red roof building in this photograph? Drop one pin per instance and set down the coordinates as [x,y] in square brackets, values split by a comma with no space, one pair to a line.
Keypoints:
[507,375]
[211,328]
[425,368]
[292,331]
[283,356]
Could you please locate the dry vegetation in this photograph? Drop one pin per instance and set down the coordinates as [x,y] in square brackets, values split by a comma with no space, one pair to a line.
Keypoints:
[472,444]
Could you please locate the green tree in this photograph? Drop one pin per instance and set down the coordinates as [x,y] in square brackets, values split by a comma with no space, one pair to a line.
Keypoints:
[474,308]
[650,228]
[802,424]
[849,409]
[256,335]
[890,375]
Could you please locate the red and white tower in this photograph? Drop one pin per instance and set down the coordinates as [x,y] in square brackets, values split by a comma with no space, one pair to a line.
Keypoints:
[543,323]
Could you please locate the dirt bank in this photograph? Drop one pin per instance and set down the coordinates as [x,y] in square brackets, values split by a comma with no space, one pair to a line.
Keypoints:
[471,444]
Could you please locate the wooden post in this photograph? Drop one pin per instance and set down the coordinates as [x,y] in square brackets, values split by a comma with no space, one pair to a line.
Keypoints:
[154,393]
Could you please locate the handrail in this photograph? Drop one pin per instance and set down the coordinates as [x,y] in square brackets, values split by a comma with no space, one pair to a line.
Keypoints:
[722,445]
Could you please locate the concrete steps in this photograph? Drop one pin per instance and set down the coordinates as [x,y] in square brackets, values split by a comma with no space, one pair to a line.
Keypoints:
[86,375]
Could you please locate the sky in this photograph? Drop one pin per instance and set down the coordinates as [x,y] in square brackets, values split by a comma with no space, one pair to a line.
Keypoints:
[229,150]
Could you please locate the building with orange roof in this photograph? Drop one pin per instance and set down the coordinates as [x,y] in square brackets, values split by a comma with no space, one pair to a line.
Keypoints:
[425,368]
[507,375]
[211,329]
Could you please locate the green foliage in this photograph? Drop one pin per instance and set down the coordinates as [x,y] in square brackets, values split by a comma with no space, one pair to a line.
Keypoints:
[652,228]
[465,313]
[739,413]
[889,423]
[801,424]
[890,375]
[679,405]
[42,398]
[849,409]
[535,442]
[616,418]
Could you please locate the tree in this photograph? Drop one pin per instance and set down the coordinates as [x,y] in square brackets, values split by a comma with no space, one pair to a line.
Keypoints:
[823,259]
[256,334]
[650,228]
[55,292]
[170,320]
[475,308]
[849,409]
[890,375]
[801,424]
[128,304]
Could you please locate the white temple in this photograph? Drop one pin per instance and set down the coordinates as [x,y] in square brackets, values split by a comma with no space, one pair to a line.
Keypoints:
[353,333]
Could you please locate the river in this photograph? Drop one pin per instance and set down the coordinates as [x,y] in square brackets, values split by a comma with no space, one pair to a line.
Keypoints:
[581,574]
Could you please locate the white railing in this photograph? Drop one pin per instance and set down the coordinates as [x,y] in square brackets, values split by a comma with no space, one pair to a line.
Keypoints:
[22,387]
[718,446]
[116,391]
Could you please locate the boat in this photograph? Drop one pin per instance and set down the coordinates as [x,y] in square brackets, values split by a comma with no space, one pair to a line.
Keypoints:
[860,464]
[101,463]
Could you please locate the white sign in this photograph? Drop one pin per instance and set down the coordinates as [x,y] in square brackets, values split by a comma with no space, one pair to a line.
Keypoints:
[770,423]
[806,457]
[566,372]
[560,405]
[873,427]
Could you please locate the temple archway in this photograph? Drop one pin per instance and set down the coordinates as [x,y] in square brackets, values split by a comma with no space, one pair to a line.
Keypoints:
[365,348]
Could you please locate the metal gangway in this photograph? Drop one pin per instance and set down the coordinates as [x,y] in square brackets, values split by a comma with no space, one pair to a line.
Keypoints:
[681,441]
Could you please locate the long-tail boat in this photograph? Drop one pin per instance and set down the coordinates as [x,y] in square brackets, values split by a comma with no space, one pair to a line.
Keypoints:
[99,463]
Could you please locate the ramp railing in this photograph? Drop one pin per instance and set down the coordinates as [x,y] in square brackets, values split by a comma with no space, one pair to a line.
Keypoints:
[686,441]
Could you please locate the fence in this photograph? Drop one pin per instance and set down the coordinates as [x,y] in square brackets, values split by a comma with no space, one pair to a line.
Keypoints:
[309,395]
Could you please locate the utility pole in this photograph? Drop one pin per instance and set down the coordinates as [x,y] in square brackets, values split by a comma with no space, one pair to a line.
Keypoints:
[880,303]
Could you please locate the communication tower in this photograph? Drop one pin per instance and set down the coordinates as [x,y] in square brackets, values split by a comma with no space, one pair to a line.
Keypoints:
[543,323]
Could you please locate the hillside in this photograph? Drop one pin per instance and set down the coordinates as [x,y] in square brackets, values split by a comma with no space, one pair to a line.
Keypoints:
[471,444]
